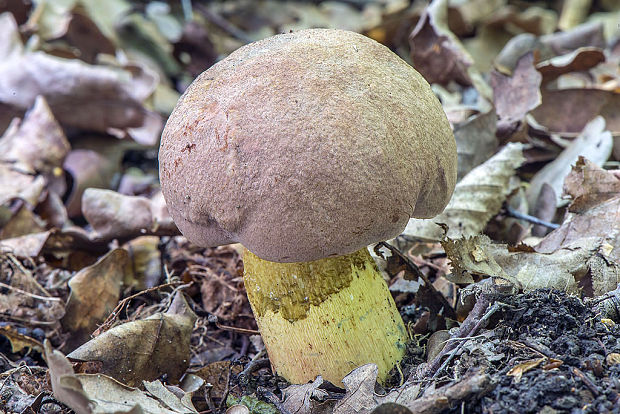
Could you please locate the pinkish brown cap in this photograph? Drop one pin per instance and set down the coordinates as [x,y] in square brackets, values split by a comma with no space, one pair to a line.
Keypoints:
[306,145]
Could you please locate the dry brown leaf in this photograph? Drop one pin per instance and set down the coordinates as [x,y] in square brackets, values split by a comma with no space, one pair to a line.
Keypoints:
[477,198]
[516,95]
[144,264]
[113,215]
[25,298]
[568,268]
[518,370]
[144,350]
[37,144]
[580,59]
[100,394]
[435,51]
[594,143]
[19,341]
[588,185]
[98,98]
[95,291]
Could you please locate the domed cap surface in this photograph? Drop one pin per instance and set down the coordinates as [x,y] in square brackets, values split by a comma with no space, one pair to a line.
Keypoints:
[306,145]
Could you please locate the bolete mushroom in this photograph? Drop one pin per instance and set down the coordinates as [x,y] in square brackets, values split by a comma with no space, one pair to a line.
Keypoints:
[306,147]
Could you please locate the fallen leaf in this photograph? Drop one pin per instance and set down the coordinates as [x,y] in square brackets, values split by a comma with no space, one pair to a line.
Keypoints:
[80,95]
[435,51]
[516,95]
[580,59]
[306,398]
[477,198]
[100,394]
[143,350]
[588,185]
[113,215]
[475,141]
[594,143]
[19,341]
[38,144]
[95,291]
[518,370]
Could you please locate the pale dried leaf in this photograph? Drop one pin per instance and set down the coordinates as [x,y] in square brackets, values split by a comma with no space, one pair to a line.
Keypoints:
[38,144]
[477,198]
[113,215]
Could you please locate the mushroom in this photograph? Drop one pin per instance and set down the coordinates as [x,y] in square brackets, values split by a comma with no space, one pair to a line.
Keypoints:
[306,147]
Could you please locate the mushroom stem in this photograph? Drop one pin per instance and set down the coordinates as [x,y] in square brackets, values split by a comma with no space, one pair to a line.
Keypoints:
[325,317]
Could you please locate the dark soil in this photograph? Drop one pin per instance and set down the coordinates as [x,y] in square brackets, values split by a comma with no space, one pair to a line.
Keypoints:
[552,324]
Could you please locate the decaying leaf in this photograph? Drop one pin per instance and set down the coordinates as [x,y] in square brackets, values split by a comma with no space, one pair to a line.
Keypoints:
[38,144]
[516,95]
[95,291]
[594,143]
[80,95]
[307,398]
[113,215]
[144,350]
[100,394]
[477,198]
[436,52]
[588,185]
[19,341]
[580,59]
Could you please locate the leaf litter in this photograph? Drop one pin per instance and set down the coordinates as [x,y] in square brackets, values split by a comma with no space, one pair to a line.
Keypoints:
[511,294]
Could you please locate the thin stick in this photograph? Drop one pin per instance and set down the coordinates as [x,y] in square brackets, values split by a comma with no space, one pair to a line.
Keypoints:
[526,217]
[32,295]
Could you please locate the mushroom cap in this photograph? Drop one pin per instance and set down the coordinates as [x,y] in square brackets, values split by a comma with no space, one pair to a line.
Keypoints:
[306,145]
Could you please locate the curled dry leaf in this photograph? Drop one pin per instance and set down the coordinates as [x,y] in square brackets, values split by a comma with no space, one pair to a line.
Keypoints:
[144,350]
[95,291]
[594,143]
[113,215]
[100,394]
[80,95]
[516,95]
[568,268]
[477,198]
[435,51]
[589,185]
[580,59]
[307,398]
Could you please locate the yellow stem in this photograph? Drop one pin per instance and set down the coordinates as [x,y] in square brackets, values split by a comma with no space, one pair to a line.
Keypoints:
[325,317]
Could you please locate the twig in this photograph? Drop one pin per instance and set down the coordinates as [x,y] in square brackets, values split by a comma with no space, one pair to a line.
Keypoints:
[587,381]
[475,329]
[222,23]
[449,311]
[467,328]
[526,217]
[110,319]
[252,366]
[32,295]
[271,397]
[239,330]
